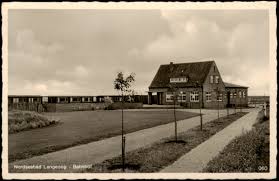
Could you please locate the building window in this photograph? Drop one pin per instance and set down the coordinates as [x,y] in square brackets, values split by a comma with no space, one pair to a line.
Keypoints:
[194,96]
[45,99]
[23,99]
[36,100]
[208,96]
[182,97]
[76,99]
[234,95]
[180,79]
[216,79]
[169,97]
[15,100]
[231,95]
[240,94]
[243,94]
[87,99]
[220,97]
[63,99]
[211,79]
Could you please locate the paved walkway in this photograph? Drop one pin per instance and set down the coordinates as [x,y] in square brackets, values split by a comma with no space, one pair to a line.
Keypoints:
[99,151]
[197,159]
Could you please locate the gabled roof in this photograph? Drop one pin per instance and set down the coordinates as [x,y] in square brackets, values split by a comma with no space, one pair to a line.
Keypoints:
[230,85]
[194,71]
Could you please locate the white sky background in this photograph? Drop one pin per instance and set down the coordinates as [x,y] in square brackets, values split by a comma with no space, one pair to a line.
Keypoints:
[66,52]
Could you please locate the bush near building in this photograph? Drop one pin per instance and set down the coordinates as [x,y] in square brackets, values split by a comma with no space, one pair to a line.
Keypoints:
[126,105]
[246,153]
[24,120]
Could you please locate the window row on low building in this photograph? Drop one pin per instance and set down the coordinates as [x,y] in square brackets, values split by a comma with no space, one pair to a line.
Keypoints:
[194,96]
[76,99]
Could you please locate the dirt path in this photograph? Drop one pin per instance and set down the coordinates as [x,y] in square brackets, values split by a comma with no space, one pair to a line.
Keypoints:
[197,158]
[99,151]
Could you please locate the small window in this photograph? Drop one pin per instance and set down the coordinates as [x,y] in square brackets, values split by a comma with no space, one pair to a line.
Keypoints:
[243,94]
[76,99]
[231,95]
[177,80]
[15,100]
[45,99]
[240,94]
[62,99]
[169,97]
[211,79]
[182,96]
[194,96]
[216,79]
[208,96]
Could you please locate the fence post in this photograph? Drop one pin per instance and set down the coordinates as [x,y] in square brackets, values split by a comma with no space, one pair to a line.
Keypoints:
[123,154]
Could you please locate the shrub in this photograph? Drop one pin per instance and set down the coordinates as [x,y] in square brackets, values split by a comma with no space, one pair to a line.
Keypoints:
[245,153]
[24,120]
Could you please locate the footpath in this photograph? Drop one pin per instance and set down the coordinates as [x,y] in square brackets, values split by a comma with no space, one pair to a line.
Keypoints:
[197,159]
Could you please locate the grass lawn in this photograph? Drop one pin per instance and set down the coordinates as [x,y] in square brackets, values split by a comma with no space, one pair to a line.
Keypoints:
[246,153]
[84,127]
[163,153]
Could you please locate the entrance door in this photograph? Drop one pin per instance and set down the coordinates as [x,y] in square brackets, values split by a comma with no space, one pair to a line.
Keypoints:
[229,99]
[159,98]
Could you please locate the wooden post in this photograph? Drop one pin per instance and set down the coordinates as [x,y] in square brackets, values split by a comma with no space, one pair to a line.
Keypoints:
[122,133]
[175,122]
[200,112]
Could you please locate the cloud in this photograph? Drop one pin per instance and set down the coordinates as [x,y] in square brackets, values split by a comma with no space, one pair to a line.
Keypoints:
[237,41]
[81,71]
[81,51]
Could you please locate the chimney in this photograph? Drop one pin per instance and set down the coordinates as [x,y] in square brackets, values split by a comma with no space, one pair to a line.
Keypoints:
[171,66]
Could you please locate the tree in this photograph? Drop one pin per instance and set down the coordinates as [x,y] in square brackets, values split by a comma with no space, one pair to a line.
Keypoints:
[124,86]
[199,87]
[174,89]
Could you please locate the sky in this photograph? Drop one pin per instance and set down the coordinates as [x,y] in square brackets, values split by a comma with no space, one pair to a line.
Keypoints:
[80,52]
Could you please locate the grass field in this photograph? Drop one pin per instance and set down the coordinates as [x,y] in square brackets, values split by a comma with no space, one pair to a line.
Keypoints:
[84,127]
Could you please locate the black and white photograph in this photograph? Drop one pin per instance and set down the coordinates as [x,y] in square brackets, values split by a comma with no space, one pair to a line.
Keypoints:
[139,90]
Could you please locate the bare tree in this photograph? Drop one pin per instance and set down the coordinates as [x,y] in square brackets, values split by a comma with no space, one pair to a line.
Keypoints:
[199,87]
[174,89]
[124,86]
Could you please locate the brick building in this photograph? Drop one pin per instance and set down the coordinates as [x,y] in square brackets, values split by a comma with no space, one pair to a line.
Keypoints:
[193,85]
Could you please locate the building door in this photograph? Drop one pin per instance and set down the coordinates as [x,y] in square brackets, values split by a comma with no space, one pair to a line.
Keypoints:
[159,98]
[228,99]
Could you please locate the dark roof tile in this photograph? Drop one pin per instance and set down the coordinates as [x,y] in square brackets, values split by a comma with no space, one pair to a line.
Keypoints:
[194,71]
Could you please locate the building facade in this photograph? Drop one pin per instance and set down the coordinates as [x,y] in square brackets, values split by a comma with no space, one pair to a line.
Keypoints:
[194,85]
